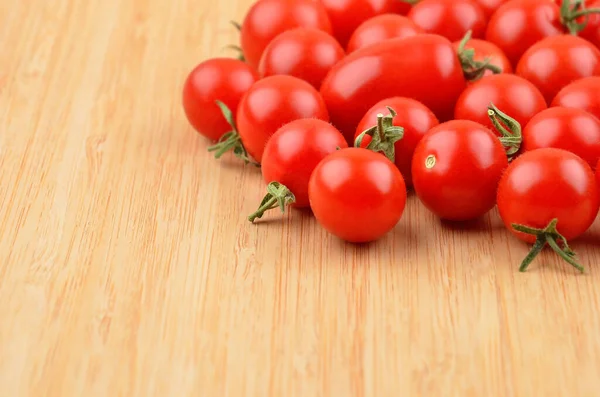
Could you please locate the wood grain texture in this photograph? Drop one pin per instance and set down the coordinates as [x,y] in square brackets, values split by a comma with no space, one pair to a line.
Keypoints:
[127,267]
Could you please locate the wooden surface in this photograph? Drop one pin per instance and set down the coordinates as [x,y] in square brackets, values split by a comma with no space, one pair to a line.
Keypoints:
[127,267]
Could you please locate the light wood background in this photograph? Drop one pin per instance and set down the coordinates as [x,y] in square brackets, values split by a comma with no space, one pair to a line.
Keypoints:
[127,267]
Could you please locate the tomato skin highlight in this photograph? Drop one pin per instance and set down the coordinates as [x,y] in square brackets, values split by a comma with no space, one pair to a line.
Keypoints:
[357,195]
[484,49]
[308,54]
[449,18]
[223,79]
[413,116]
[382,27]
[432,74]
[574,130]
[545,184]
[510,93]
[456,169]
[271,103]
[266,19]
[581,94]
[489,7]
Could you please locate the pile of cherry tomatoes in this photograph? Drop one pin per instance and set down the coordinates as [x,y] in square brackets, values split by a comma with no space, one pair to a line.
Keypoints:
[472,103]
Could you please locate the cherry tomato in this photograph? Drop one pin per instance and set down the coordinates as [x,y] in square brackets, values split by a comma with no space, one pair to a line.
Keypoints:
[269,18]
[570,129]
[512,94]
[304,53]
[456,169]
[382,27]
[272,102]
[413,116]
[449,18]
[592,29]
[557,61]
[223,79]
[483,50]
[347,15]
[357,195]
[581,94]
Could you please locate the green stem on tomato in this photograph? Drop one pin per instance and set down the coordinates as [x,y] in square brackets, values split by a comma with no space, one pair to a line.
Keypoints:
[509,128]
[278,195]
[472,69]
[230,140]
[571,10]
[383,136]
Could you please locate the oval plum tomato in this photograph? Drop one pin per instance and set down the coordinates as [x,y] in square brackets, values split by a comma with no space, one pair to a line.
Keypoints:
[570,129]
[382,27]
[547,195]
[456,169]
[449,18]
[581,94]
[486,50]
[266,19]
[289,159]
[413,116]
[304,53]
[347,15]
[512,94]
[557,61]
[223,79]
[357,195]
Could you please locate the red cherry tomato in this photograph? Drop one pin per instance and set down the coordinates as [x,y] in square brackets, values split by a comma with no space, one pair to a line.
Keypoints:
[449,18]
[347,15]
[413,116]
[581,94]
[456,169]
[304,53]
[512,94]
[357,195]
[557,61]
[272,102]
[223,79]
[592,29]
[484,49]
[382,27]
[570,129]
[269,18]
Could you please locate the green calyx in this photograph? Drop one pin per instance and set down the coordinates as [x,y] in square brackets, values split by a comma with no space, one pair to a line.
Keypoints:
[509,128]
[278,195]
[472,69]
[384,135]
[230,140]
[571,11]
[411,2]
[550,236]
[237,48]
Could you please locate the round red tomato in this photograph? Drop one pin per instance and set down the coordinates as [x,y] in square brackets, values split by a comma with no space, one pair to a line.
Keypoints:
[511,94]
[347,15]
[557,61]
[570,129]
[272,102]
[304,53]
[486,50]
[456,169]
[222,79]
[382,27]
[449,18]
[269,18]
[357,195]
[413,116]
[581,94]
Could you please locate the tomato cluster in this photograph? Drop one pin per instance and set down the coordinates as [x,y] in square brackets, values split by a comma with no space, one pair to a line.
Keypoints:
[346,104]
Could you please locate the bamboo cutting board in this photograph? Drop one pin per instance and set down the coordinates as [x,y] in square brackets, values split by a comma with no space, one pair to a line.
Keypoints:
[127,267]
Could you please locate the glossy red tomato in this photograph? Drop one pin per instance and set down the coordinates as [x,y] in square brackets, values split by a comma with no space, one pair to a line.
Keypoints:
[570,129]
[223,79]
[486,50]
[266,19]
[449,18]
[557,61]
[581,94]
[456,169]
[305,53]
[512,94]
[432,75]
[357,195]
[382,27]
[272,102]
[413,116]
[592,29]
[347,15]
